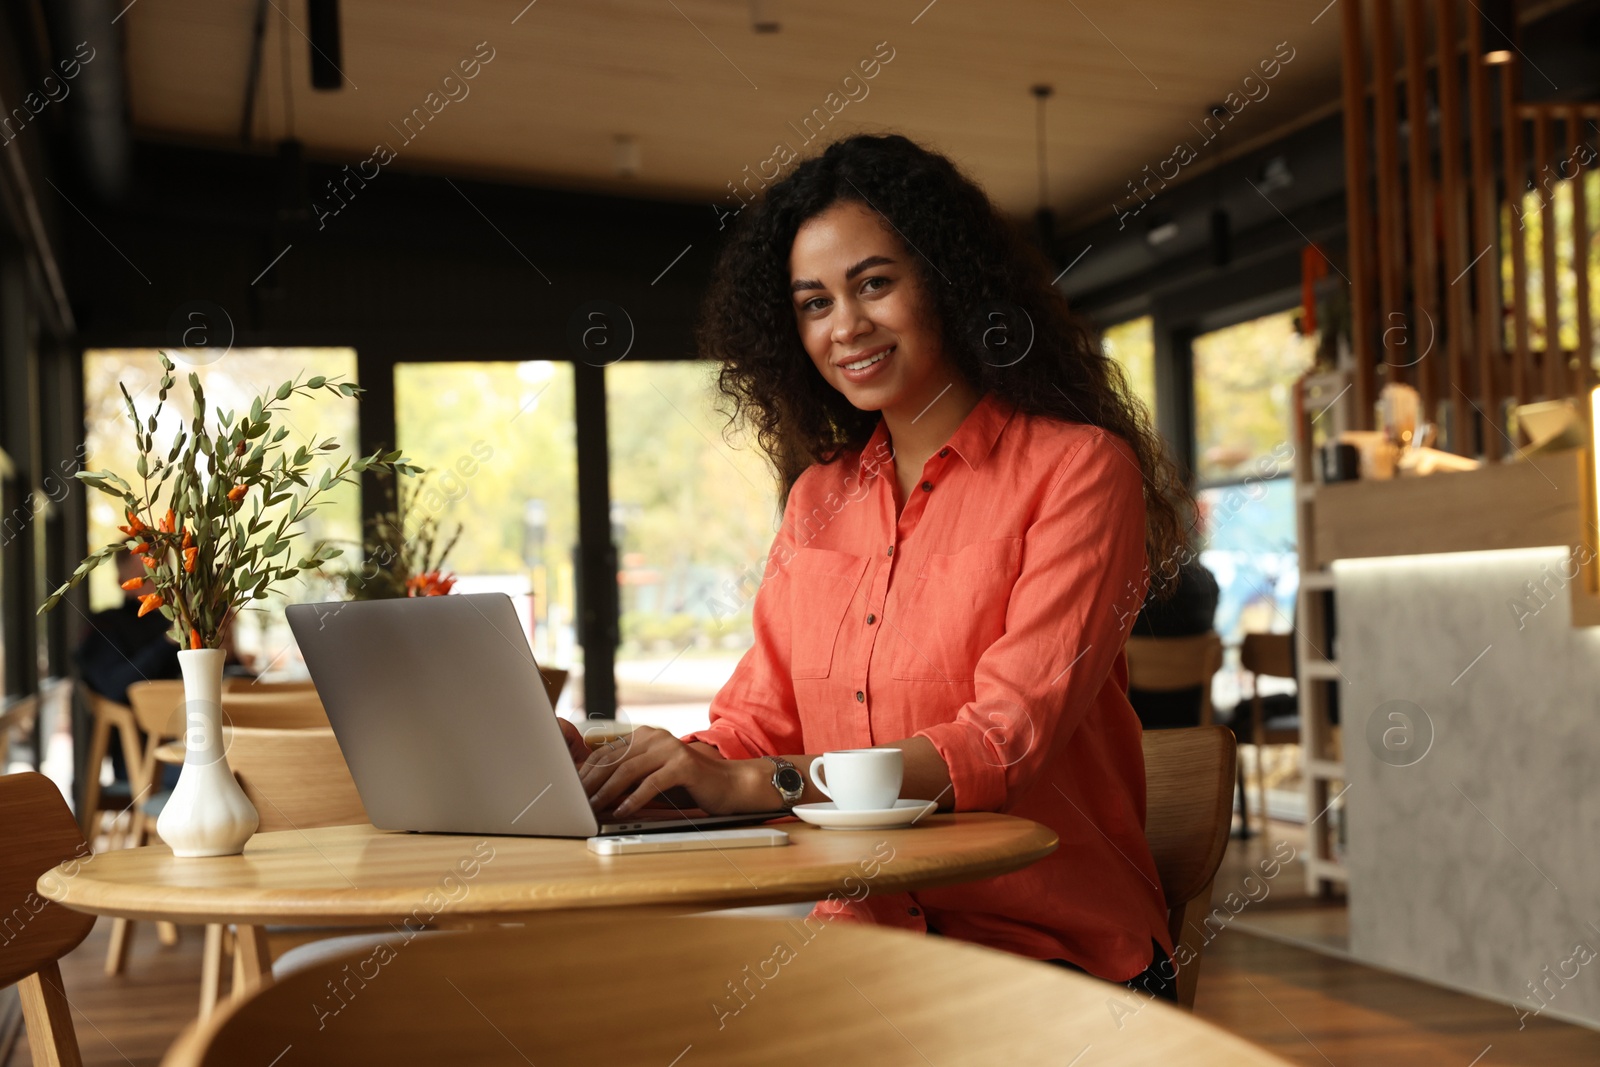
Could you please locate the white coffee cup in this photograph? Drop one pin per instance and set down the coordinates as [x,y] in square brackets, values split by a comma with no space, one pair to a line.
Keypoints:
[860,779]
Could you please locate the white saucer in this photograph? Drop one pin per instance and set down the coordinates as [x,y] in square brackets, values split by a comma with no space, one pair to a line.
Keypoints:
[828,816]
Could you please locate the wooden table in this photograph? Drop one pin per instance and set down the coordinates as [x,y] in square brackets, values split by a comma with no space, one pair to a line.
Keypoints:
[350,875]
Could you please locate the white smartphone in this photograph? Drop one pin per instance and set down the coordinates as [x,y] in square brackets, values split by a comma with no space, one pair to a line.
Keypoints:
[687,841]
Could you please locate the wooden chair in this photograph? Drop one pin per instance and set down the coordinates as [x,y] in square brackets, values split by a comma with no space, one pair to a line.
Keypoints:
[852,996]
[1173,664]
[18,716]
[1270,655]
[555,680]
[105,713]
[295,709]
[297,779]
[238,684]
[157,708]
[1189,777]
[38,832]
[1166,664]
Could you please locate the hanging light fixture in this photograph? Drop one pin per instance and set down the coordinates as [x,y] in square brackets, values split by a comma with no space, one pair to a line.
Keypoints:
[1044,220]
[1499,30]
[323,17]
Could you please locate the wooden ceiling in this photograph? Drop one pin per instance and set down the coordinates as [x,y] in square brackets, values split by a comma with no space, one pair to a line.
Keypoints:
[704,95]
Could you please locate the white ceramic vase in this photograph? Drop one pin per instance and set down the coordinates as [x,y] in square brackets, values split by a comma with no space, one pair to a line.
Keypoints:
[208,813]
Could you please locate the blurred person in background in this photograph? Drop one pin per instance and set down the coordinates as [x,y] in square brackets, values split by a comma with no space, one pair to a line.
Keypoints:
[1189,611]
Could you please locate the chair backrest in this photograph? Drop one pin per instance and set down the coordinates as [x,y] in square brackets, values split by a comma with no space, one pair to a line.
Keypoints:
[37,832]
[1188,813]
[555,680]
[1165,664]
[19,716]
[105,709]
[241,684]
[860,996]
[1269,654]
[293,710]
[296,779]
[158,707]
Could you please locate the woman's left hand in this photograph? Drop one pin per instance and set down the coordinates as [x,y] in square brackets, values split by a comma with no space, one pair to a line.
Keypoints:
[631,771]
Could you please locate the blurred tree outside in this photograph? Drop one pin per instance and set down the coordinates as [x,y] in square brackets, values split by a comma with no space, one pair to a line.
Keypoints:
[497,438]
[1132,344]
[697,511]
[1244,378]
[1560,193]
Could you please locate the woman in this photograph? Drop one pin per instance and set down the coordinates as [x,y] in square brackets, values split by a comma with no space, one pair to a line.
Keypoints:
[970,499]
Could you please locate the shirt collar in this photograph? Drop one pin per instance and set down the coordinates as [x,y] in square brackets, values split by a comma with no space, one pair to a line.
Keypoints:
[973,440]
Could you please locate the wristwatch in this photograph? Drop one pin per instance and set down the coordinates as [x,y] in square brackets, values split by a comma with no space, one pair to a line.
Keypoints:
[788,781]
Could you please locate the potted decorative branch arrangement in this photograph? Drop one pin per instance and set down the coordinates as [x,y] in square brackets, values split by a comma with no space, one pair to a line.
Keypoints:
[233,499]
[402,555]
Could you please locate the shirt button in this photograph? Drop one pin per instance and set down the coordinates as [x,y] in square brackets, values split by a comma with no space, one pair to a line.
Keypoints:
[943,452]
[860,696]
[891,550]
[871,619]
[927,487]
[913,911]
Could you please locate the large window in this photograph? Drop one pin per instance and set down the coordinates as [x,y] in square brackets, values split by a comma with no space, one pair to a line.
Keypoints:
[694,511]
[1132,344]
[1244,379]
[231,381]
[499,443]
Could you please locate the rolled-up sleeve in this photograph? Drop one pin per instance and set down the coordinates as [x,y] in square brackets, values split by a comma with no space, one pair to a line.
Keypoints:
[1083,578]
[754,713]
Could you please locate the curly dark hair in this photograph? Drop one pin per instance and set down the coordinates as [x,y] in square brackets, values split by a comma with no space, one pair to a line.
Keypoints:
[973,265]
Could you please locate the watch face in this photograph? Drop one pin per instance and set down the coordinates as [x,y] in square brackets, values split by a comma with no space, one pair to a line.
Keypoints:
[789,780]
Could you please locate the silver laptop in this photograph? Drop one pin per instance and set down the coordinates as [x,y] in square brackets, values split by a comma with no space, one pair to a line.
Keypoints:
[444,720]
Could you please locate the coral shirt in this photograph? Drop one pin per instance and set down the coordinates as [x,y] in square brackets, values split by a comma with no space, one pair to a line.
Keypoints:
[990,618]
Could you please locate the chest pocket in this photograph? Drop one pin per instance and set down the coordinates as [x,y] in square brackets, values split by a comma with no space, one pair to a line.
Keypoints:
[822,585]
[955,609]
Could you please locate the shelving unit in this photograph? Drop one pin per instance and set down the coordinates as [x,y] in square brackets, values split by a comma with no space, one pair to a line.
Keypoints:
[1324,409]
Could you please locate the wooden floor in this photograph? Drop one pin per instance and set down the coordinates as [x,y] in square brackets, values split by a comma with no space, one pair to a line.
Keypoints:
[1308,1007]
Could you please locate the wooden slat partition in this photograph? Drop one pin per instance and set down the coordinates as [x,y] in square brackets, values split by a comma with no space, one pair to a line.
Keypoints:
[1583,377]
[1522,377]
[1457,311]
[1487,344]
[1436,223]
[1386,122]
[1363,326]
[1551,361]
[1424,319]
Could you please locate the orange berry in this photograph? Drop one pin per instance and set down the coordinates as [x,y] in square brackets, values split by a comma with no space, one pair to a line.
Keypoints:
[237,492]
